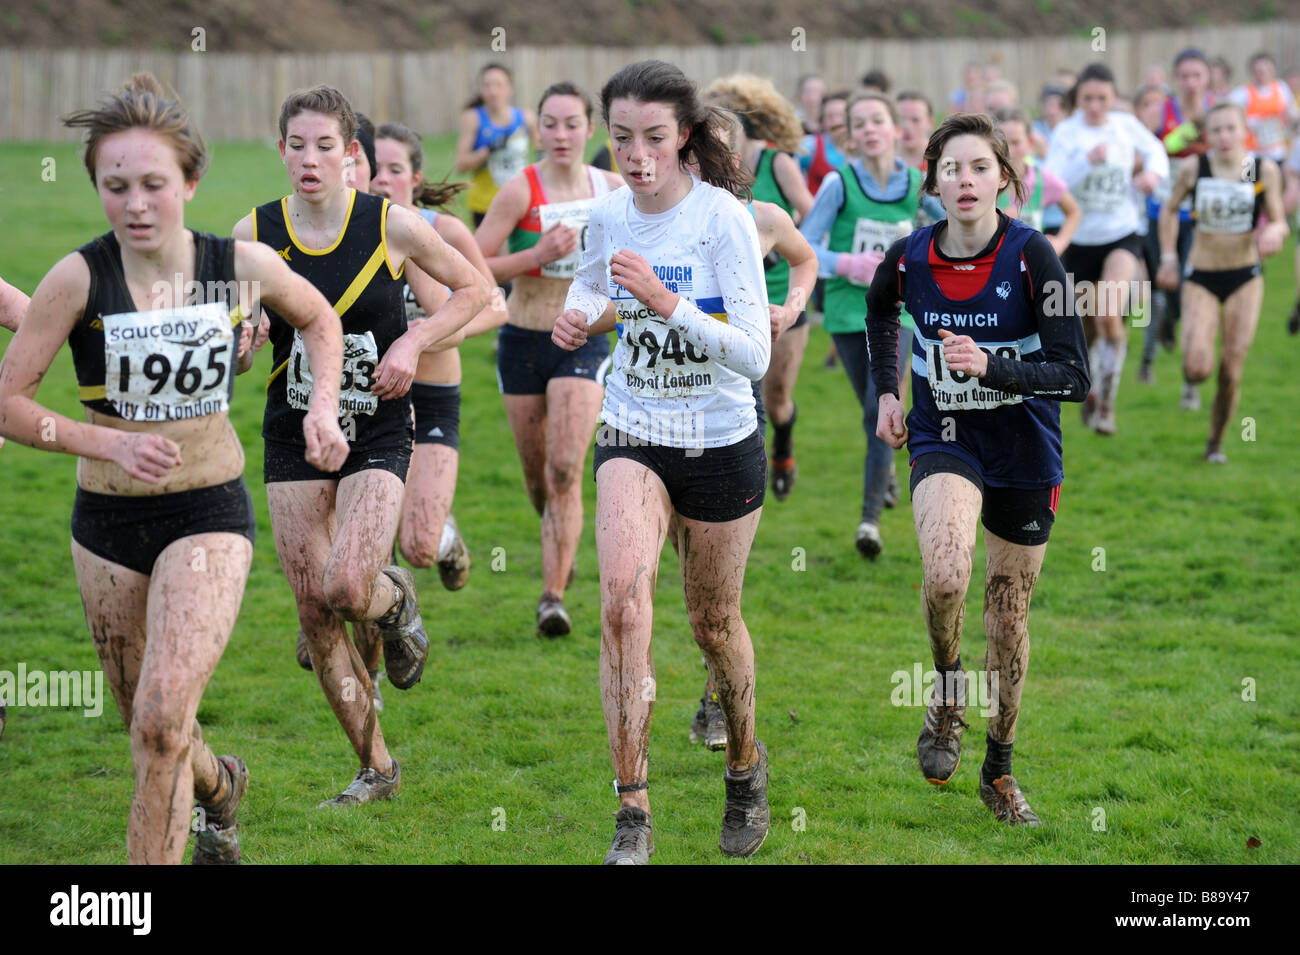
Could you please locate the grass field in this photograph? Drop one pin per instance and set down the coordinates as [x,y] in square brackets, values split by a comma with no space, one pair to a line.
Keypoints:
[1134,706]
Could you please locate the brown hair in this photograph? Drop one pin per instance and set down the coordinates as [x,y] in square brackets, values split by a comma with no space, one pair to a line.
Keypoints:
[764,113]
[565,88]
[867,96]
[654,81]
[477,100]
[320,99]
[970,124]
[1227,104]
[433,195]
[916,96]
[143,103]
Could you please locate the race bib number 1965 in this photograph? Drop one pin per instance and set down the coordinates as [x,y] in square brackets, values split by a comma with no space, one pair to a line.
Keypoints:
[168,364]
[360,359]
[958,391]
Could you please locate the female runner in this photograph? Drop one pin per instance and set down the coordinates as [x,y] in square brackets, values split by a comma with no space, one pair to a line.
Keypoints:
[680,435]
[984,432]
[162,527]
[1223,287]
[495,139]
[1094,152]
[552,396]
[334,532]
[863,208]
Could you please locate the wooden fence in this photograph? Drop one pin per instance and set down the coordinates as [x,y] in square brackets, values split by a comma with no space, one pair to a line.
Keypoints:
[237,95]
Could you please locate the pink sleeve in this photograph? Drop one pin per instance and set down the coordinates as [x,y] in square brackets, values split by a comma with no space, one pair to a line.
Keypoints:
[1053,187]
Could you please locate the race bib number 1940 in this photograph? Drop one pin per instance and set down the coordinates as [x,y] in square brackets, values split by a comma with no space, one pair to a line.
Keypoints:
[662,364]
[360,359]
[958,391]
[169,364]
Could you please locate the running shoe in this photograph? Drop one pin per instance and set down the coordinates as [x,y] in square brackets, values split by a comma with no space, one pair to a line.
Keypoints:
[1293,320]
[552,619]
[868,540]
[1146,376]
[784,473]
[892,489]
[1007,802]
[746,819]
[406,645]
[1214,454]
[1103,422]
[217,840]
[938,748]
[1191,397]
[454,571]
[369,785]
[634,838]
[304,656]
[709,724]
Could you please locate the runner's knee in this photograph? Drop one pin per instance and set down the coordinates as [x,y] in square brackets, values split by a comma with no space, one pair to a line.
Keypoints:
[347,594]
[420,545]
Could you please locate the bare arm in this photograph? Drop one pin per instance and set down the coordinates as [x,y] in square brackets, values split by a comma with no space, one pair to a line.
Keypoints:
[792,182]
[507,208]
[795,249]
[13,305]
[1275,233]
[1073,216]
[1167,275]
[469,159]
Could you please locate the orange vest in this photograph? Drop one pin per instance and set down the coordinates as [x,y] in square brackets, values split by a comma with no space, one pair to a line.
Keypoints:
[1265,118]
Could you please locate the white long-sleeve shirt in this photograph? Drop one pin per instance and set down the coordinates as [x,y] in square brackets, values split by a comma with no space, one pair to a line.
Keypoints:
[1102,189]
[683,380]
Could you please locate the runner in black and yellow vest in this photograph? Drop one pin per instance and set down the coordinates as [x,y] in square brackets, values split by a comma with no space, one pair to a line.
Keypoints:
[866,206]
[770,134]
[353,247]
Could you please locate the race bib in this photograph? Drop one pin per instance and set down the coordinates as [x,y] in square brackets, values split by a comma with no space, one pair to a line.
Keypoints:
[1105,188]
[510,159]
[574,215]
[169,364]
[958,391]
[360,359]
[872,236]
[1225,207]
[660,363]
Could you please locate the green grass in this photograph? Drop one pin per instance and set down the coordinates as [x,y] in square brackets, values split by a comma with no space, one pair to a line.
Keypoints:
[1133,705]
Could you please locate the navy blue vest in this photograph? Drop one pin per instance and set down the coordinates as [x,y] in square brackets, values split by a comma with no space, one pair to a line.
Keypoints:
[1010,445]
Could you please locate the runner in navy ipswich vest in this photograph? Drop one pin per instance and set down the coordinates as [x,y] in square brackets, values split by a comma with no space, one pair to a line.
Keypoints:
[997,346]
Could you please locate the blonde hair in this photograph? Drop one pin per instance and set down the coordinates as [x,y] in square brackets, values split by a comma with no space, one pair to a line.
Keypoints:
[764,113]
[143,104]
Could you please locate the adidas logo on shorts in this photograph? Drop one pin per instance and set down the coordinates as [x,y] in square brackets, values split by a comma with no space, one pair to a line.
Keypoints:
[435,432]
[1031,526]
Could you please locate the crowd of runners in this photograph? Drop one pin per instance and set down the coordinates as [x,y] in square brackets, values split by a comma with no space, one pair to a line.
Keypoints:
[997,252]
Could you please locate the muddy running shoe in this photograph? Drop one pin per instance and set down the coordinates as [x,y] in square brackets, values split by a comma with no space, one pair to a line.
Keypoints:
[304,656]
[1293,320]
[1008,802]
[938,748]
[709,724]
[217,840]
[745,819]
[1214,454]
[868,540]
[891,489]
[454,571]
[1103,422]
[634,838]
[406,645]
[784,473]
[1190,400]
[552,619]
[370,784]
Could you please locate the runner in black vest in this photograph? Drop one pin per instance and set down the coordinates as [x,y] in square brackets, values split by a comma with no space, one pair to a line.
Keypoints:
[352,247]
[162,527]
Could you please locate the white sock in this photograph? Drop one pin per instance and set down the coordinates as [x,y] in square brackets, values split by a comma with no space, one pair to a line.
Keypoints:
[1118,350]
[1094,363]
[447,542]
